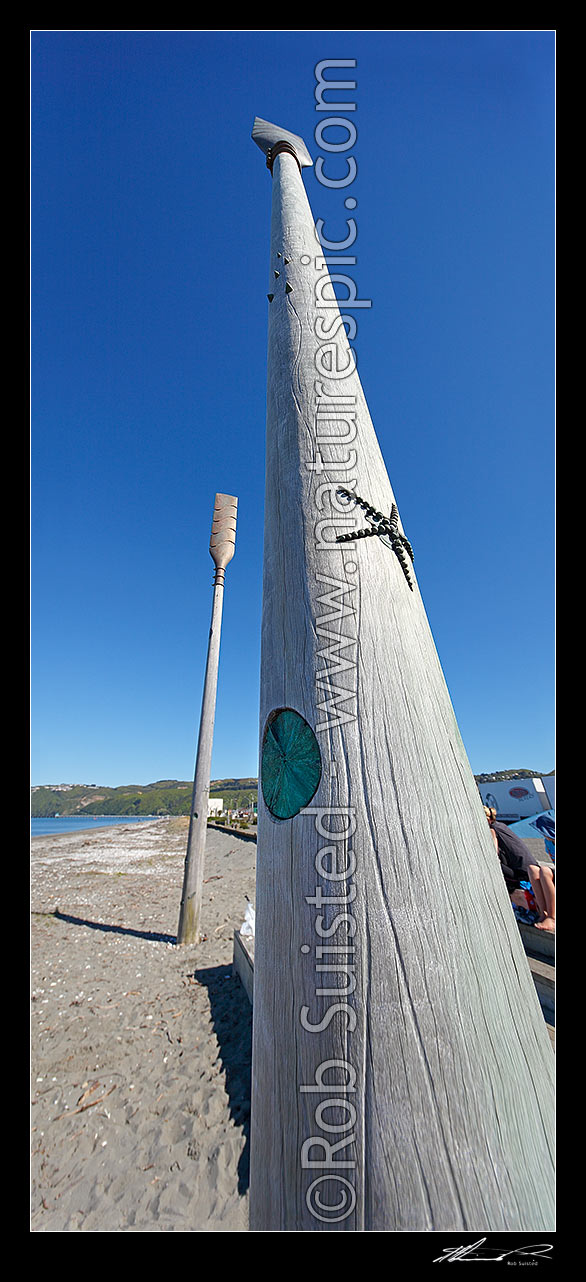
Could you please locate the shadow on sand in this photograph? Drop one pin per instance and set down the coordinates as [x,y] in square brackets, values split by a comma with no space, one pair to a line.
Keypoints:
[152,935]
[232,1022]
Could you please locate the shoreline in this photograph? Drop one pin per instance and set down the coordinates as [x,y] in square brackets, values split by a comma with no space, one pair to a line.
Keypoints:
[247,834]
[102,827]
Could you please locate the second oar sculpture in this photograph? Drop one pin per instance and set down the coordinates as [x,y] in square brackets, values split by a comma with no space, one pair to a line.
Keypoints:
[222,543]
[402,1068]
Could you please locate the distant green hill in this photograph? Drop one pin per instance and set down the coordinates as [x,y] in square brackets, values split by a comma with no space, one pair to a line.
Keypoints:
[170,796]
[165,797]
[513,774]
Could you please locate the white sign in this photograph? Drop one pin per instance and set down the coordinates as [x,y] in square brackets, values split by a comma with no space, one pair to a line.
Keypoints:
[514,799]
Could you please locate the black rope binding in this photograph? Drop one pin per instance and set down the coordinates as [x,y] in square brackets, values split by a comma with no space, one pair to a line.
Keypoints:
[381,527]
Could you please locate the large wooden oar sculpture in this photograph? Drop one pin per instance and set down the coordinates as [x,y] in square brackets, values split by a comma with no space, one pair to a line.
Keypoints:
[402,1069]
[222,544]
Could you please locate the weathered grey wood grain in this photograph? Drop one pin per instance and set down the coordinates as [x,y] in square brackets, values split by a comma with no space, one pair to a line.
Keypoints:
[544,979]
[222,544]
[266,135]
[445,1100]
[538,943]
[244,963]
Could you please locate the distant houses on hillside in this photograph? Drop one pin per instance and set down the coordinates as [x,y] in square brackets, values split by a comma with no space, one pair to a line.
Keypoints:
[516,796]
[516,799]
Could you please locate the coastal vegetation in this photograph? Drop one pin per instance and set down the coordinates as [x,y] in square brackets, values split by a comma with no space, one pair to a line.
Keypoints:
[165,797]
[169,796]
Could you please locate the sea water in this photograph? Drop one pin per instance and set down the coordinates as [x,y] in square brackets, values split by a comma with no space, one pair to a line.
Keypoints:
[78,823]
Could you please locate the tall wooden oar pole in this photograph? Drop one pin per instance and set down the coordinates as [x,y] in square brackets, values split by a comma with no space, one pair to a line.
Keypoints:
[222,543]
[402,1068]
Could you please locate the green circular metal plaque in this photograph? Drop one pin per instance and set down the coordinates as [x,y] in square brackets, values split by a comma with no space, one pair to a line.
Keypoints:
[290,763]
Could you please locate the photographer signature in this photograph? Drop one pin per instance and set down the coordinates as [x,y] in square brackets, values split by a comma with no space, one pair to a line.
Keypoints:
[474,1252]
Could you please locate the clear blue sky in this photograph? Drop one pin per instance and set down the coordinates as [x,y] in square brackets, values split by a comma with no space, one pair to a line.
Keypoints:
[150,223]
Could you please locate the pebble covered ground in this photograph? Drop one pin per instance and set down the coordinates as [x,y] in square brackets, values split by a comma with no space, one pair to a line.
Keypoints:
[140,1047]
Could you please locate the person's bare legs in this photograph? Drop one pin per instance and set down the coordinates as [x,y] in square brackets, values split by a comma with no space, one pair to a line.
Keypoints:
[543,886]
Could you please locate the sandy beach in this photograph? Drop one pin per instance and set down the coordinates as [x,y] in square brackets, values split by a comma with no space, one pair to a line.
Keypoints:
[141,1049]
